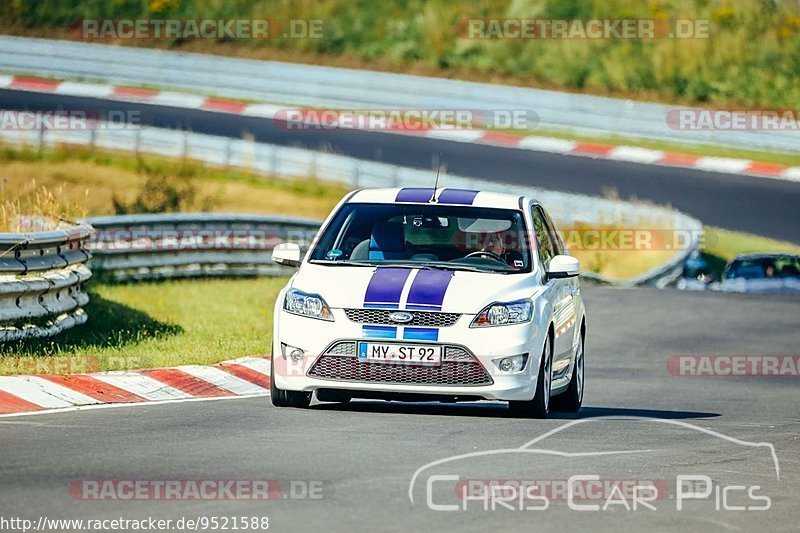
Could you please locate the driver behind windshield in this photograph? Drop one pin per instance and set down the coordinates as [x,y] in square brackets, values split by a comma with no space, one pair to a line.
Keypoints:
[495,244]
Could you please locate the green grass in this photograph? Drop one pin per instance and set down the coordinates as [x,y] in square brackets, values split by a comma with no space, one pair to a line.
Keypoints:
[159,324]
[720,246]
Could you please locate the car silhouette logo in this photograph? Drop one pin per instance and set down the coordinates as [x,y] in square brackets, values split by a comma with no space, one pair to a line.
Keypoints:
[401,317]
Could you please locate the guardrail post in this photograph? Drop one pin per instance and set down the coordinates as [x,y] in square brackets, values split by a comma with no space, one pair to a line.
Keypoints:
[41,138]
[273,161]
[312,170]
[185,153]
[138,142]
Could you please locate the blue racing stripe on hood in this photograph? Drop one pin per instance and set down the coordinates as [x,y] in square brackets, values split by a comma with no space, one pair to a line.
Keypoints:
[385,287]
[428,290]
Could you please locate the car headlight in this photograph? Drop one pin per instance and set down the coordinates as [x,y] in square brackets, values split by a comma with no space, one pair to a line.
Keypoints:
[504,313]
[304,304]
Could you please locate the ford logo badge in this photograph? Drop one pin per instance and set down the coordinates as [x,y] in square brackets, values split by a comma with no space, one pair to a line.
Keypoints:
[401,317]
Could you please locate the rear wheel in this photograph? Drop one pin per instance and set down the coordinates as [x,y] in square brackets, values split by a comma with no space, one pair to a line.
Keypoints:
[572,399]
[285,398]
[539,407]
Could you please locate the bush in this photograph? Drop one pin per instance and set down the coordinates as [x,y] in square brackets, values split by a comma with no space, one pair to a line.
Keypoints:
[167,189]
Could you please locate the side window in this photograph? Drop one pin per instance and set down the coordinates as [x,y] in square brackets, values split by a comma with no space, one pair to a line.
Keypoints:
[555,238]
[543,243]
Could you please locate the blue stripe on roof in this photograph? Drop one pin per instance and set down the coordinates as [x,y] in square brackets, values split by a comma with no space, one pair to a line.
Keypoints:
[457,196]
[447,196]
[414,194]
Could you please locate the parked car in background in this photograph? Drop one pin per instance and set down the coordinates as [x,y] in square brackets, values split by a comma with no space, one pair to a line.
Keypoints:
[761,273]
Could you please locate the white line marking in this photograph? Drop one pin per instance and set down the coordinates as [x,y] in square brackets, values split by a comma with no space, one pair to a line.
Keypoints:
[262,110]
[791,174]
[85,89]
[722,164]
[635,154]
[42,392]
[173,99]
[463,136]
[546,144]
[222,379]
[258,364]
[141,385]
[129,405]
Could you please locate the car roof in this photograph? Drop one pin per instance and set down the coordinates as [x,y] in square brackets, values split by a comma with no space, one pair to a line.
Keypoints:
[444,195]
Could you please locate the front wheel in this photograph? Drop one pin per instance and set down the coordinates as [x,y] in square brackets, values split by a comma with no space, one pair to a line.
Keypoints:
[539,407]
[572,399]
[285,398]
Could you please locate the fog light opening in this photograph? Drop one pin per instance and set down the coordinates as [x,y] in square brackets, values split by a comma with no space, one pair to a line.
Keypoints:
[292,352]
[506,364]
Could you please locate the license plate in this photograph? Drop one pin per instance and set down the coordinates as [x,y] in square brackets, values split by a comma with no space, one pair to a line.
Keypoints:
[378,352]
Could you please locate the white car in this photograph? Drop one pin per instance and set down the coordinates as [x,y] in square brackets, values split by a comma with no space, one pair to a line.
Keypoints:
[432,294]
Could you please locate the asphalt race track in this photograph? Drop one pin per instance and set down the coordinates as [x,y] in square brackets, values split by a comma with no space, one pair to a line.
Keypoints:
[367,452]
[751,204]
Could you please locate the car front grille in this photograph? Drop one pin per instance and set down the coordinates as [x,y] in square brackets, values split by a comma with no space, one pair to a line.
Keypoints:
[459,367]
[421,318]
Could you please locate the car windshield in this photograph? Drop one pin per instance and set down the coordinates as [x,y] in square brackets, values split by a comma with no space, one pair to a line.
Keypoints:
[778,267]
[426,236]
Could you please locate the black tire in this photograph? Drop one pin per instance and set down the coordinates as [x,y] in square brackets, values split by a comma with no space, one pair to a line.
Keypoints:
[539,406]
[286,398]
[572,399]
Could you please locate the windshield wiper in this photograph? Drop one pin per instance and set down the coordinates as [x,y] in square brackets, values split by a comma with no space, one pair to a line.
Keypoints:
[451,266]
[344,262]
[408,264]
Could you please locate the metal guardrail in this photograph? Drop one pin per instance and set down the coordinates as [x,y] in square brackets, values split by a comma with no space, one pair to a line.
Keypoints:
[288,162]
[42,276]
[327,87]
[161,246]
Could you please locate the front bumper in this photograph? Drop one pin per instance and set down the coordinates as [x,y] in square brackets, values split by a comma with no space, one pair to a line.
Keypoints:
[467,370]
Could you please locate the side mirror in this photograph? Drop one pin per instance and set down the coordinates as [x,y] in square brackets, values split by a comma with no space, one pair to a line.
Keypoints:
[287,253]
[563,266]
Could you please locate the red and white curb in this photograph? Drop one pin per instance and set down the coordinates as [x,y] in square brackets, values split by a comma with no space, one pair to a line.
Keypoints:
[631,154]
[248,376]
